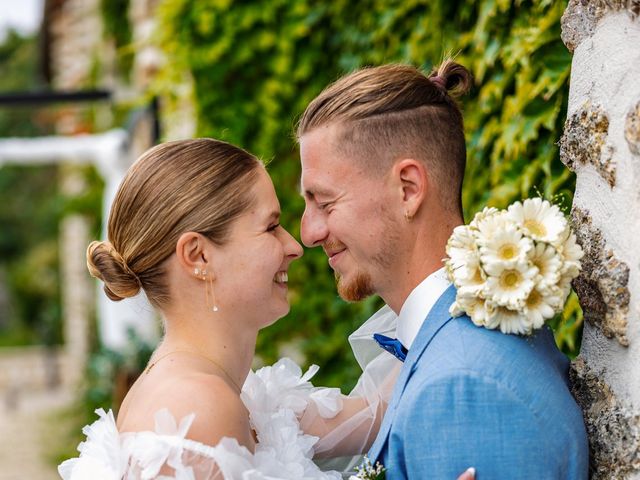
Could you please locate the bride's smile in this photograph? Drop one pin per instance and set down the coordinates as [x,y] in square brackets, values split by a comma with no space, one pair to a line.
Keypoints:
[251,269]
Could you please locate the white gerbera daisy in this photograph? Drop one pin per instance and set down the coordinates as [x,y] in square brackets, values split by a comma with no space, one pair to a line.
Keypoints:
[563,289]
[480,216]
[539,307]
[548,262]
[511,321]
[509,286]
[475,284]
[456,309]
[539,219]
[469,277]
[571,253]
[478,309]
[461,244]
[489,225]
[507,246]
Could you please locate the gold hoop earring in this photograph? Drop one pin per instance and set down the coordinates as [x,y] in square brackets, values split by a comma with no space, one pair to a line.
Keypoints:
[408,217]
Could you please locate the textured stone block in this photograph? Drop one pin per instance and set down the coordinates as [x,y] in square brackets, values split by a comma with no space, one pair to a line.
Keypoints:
[612,425]
[602,286]
[584,142]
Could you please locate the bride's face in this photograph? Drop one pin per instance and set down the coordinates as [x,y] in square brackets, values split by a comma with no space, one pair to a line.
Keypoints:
[251,268]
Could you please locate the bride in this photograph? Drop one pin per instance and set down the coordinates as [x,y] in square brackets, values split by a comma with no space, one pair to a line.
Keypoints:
[195,224]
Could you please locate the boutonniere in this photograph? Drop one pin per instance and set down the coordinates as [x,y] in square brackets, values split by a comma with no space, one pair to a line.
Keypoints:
[367,471]
[513,268]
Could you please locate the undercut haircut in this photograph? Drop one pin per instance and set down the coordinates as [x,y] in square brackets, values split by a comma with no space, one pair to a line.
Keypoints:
[395,111]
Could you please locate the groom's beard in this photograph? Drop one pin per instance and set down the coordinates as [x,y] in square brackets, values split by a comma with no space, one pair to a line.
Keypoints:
[360,288]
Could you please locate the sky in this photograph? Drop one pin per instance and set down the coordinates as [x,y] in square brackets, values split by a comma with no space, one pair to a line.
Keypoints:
[22,15]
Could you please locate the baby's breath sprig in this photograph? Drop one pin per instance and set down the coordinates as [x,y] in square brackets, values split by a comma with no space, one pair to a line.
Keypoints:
[367,471]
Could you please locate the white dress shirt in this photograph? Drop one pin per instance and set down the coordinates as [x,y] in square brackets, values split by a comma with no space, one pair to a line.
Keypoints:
[405,327]
[418,304]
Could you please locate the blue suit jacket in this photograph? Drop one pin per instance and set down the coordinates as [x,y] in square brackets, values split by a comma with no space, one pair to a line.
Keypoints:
[472,397]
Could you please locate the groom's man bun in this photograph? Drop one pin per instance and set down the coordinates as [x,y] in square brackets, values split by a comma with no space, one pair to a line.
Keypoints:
[395,111]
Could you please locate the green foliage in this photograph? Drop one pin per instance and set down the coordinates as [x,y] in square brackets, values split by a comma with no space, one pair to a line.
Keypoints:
[105,365]
[29,215]
[106,371]
[31,208]
[256,64]
[115,19]
[19,67]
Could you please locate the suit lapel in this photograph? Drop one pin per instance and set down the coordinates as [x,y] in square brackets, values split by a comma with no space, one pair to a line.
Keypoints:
[436,319]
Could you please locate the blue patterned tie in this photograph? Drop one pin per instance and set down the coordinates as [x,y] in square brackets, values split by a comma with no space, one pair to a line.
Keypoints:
[391,345]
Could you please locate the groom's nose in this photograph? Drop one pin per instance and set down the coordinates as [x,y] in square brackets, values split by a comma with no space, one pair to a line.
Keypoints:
[313,228]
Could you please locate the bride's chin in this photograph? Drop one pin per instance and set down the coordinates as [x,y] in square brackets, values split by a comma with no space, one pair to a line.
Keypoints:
[278,316]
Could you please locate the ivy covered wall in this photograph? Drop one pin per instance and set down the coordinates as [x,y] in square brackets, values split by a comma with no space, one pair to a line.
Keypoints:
[256,64]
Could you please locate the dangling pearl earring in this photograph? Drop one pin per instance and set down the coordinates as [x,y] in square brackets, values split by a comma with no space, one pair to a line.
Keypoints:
[213,306]
[208,288]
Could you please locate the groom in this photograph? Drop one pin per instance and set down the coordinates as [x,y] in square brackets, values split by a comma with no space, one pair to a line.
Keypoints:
[383,159]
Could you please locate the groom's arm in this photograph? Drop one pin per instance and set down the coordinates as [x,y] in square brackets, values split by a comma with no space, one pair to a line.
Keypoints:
[448,424]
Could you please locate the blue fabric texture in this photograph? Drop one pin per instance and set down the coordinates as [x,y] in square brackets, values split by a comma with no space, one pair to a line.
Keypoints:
[471,397]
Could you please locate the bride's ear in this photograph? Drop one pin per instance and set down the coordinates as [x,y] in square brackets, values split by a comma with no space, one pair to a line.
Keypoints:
[192,253]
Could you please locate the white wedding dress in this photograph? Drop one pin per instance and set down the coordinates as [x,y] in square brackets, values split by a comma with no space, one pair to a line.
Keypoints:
[282,405]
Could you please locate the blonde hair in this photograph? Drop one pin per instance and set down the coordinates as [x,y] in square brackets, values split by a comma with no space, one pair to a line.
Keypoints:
[200,185]
[394,111]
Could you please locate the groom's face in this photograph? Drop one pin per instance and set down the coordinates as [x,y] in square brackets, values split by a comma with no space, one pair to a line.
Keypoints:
[347,213]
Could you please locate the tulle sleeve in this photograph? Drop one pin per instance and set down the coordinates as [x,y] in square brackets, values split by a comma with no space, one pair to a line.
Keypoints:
[293,421]
[163,454]
[283,452]
[349,431]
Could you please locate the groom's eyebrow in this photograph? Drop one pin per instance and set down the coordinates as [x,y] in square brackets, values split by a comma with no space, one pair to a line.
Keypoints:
[312,193]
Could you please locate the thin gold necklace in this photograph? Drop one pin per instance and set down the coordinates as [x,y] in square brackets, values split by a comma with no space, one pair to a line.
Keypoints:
[192,352]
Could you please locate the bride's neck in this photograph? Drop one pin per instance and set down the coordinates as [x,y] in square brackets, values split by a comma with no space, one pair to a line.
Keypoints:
[225,341]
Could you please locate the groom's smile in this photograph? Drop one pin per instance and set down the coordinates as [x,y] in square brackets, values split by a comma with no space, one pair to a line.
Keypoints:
[334,251]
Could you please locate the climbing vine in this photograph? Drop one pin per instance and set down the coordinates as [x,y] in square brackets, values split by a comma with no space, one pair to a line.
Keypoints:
[256,64]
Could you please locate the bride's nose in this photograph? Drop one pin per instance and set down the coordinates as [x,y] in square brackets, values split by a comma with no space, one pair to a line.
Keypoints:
[293,249]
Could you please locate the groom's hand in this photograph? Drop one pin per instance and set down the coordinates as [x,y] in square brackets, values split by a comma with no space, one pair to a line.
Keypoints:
[469,474]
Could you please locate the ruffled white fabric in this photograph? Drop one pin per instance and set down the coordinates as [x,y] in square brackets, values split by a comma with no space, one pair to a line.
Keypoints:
[283,404]
[274,396]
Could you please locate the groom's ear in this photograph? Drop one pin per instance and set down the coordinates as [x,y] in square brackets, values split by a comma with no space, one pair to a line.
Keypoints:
[412,181]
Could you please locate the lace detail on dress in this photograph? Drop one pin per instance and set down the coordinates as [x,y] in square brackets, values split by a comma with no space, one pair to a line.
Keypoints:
[274,396]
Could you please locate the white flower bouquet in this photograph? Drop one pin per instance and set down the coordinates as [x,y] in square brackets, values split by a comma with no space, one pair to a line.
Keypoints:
[513,268]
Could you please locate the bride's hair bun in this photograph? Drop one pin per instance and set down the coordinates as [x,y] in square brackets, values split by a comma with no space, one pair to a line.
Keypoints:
[106,264]
[197,185]
[452,78]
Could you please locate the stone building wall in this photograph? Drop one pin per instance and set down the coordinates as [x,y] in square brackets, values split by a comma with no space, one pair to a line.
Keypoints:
[80,57]
[74,33]
[601,143]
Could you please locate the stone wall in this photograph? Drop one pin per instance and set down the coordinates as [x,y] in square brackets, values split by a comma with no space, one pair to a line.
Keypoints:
[75,48]
[601,143]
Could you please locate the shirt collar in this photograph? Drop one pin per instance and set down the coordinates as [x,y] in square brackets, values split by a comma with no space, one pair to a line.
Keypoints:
[418,304]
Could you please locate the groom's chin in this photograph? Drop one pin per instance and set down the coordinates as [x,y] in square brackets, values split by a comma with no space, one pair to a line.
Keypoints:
[355,290]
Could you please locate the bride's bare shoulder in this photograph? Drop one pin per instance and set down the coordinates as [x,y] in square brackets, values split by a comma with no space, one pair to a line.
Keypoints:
[218,410]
